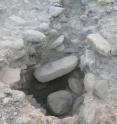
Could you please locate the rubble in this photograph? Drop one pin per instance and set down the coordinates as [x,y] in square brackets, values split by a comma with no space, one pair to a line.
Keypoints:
[58,62]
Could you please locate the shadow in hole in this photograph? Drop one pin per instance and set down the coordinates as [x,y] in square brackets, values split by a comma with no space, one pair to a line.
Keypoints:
[40,91]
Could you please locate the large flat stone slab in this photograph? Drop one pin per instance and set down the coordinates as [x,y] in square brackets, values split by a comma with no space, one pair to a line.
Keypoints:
[58,68]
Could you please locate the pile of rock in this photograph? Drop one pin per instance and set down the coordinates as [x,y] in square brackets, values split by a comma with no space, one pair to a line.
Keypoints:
[61,102]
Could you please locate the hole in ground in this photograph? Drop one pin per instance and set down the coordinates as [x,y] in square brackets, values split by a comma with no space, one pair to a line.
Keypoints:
[40,91]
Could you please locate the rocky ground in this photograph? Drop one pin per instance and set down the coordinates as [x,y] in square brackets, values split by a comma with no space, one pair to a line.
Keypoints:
[58,62]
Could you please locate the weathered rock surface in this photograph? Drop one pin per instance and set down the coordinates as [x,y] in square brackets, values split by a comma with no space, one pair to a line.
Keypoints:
[94,112]
[59,102]
[10,76]
[53,70]
[100,44]
[76,86]
[87,61]
[16,109]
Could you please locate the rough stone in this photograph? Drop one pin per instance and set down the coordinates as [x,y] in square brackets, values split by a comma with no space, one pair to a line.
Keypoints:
[87,61]
[58,68]
[76,86]
[59,102]
[100,44]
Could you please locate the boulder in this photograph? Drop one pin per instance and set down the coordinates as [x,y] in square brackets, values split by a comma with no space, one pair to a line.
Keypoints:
[100,44]
[76,86]
[59,102]
[56,69]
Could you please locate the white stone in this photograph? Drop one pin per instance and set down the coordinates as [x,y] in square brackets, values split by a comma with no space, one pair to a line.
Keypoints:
[10,76]
[58,68]
[55,11]
[59,102]
[57,42]
[33,36]
[76,86]
[44,26]
[100,44]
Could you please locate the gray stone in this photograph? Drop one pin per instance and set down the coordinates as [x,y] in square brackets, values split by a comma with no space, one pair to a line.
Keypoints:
[76,86]
[76,106]
[58,68]
[89,82]
[87,61]
[57,42]
[33,36]
[101,89]
[100,44]
[44,27]
[59,102]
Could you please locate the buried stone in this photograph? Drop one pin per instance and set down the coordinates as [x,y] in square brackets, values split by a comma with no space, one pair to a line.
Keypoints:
[58,68]
[76,86]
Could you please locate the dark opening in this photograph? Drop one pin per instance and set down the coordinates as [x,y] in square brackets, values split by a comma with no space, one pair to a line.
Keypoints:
[40,91]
